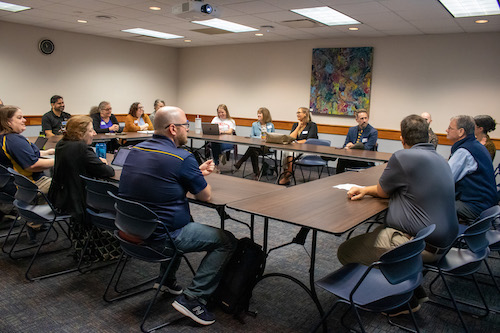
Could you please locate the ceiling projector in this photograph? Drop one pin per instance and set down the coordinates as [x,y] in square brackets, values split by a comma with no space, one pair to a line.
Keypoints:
[195,10]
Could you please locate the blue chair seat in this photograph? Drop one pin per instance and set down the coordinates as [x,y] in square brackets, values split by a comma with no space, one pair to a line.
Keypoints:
[311,160]
[454,260]
[343,281]
[39,213]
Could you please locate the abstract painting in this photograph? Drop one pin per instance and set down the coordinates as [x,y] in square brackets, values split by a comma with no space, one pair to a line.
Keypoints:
[341,80]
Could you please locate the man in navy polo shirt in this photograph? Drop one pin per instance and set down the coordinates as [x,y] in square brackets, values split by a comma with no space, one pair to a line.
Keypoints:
[470,163]
[158,174]
[364,136]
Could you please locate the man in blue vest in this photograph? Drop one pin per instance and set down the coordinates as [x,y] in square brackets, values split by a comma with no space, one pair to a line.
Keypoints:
[470,163]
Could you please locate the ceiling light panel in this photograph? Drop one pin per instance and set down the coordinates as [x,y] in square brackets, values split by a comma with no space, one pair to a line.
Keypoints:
[10,7]
[152,33]
[326,15]
[225,25]
[468,8]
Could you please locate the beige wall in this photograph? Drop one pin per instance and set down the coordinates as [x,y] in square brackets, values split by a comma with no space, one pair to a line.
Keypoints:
[84,69]
[445,75]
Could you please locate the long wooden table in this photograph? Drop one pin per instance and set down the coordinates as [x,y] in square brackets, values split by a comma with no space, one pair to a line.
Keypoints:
[318,206]
[352,154]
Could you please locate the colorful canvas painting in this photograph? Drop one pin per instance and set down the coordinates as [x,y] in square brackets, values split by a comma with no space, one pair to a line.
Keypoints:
[341,80]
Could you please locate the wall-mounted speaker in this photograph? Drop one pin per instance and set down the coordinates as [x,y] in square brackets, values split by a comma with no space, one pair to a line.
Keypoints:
[46,46]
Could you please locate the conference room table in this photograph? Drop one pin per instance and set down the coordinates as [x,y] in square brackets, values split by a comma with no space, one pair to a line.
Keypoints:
[319,206]
[326,151]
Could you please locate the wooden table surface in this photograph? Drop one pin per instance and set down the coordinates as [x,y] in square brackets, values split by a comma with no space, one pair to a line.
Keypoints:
[317,204]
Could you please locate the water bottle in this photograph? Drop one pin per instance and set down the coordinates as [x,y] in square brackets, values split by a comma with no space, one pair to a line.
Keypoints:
[197,125]
[100,149]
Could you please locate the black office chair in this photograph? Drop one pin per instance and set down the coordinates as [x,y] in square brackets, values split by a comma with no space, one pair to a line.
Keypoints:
[7,193]
[269,164]
[135,223]
[463,259]
[385,285]
[100,213]
[26,202]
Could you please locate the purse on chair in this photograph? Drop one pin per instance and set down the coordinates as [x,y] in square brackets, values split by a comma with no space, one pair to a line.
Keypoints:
[279,138]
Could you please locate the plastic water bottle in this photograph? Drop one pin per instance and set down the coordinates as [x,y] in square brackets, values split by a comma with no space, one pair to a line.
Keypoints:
[100,149]
[197,125]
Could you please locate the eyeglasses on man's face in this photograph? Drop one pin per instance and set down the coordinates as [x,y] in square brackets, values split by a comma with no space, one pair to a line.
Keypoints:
[185,125]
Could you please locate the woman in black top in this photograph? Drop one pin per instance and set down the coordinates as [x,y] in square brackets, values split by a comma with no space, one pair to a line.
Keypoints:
[75,157]
[304,129]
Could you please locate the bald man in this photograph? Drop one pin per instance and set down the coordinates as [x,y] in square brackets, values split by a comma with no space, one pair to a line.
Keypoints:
[432,136]
[158,174]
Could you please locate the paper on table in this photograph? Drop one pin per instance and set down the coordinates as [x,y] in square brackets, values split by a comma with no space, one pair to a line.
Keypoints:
[146,132]
[346,187]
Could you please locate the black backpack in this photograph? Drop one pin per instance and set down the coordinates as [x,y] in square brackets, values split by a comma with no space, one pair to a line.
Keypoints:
[240,277]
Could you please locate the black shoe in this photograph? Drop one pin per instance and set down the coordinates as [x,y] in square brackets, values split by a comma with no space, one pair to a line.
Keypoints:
[193,309]
[414,305]
[31,235]
[420,295]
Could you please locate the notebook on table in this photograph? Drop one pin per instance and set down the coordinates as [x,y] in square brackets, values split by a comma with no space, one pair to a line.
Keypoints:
[210,129]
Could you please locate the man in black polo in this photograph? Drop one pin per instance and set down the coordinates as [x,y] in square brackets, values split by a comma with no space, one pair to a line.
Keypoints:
[54,120]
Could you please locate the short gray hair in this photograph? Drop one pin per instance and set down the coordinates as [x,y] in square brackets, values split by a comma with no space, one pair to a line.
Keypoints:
[465,122]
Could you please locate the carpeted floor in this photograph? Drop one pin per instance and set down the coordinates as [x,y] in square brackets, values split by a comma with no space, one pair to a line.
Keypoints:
[73,302]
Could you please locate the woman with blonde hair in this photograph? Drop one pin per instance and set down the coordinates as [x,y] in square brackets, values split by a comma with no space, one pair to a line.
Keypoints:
[263,125]
[302,130]
[226,126]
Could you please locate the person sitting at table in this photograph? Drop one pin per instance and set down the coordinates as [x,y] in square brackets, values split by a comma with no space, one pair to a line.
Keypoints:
[302,130]
[137,120]
[417,199]
[259,129]
[484,125]
[177,172]
[364,136]
[432,136]
[226,126]
[53,121]
[103,120]
[75,157]
[159,103]
[18,153]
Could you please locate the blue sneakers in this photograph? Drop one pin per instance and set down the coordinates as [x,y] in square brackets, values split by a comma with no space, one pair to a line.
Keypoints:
[193,309]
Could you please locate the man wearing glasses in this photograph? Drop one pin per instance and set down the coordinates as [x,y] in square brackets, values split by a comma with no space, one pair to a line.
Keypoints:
[470,163]
[158,174]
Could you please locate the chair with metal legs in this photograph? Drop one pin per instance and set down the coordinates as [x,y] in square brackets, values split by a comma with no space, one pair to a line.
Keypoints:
[385,285]
[464,258]
[7,192]
[100,212]
[135,223]
[312,161]
[29,210]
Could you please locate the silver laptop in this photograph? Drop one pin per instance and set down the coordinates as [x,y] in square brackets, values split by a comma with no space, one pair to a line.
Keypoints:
[120,157]
[210,129]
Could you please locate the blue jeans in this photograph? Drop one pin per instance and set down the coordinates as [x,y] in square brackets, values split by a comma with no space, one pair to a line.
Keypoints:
[195,237]
[218,148]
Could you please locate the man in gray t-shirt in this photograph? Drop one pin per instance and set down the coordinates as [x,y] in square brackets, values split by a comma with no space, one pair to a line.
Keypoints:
[421,189]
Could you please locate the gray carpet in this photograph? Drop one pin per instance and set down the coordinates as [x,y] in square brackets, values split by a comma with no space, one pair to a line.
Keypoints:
[73,302]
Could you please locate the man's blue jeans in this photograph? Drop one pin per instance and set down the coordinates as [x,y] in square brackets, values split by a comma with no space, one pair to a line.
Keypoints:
[195,237]
[218,148]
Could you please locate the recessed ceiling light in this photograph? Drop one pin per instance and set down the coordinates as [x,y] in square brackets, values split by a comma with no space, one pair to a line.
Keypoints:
[353,28]
[152,33]
[10,7]
[259,34]
[225,25]
[325,15]
[481,21]
[187,40]
[468,8]
[81,21]
[154,8]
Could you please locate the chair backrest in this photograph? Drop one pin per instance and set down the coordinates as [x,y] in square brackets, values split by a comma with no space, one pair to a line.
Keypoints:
[318,142]
[404,261]
[133,218]
[7,187]
[97,194]
[27,191]
[475,234]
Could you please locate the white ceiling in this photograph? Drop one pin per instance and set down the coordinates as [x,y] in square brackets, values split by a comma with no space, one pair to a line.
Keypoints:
[378,17]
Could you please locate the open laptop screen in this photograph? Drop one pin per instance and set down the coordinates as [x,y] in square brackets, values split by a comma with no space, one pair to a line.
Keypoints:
[120,156]
[40,142]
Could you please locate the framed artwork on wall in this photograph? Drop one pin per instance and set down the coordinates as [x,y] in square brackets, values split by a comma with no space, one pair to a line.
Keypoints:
[341,80]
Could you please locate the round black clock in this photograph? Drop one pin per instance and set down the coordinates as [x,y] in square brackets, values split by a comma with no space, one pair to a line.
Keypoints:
[46,46]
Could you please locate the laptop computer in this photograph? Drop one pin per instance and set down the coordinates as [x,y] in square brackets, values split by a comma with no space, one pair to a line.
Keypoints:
[120,157]
[210,129]
[40,142]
